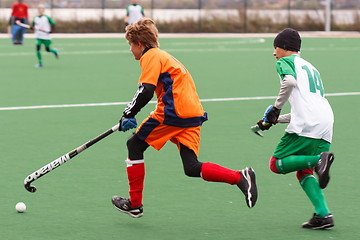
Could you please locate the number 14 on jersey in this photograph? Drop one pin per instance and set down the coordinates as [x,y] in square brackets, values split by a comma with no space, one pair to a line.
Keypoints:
[315,82]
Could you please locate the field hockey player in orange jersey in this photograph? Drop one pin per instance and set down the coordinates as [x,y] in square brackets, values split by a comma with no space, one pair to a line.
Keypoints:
[178,117]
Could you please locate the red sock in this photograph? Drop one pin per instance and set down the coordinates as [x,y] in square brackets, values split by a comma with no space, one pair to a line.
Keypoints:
[215,173]
[136,175]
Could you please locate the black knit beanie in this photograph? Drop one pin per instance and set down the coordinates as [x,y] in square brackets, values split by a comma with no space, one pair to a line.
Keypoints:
[288,39]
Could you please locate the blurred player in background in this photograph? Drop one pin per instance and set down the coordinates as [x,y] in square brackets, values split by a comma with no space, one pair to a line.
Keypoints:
[306,143]
[43,26]
[19,12]
[177,117]
[134,12]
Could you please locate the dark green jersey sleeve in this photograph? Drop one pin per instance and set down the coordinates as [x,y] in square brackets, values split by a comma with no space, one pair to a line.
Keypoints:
[286,66]
[50,20]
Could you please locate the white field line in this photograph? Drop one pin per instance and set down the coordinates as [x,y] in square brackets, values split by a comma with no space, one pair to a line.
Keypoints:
[220,46]
[108,52]
[125,103]
[204,50]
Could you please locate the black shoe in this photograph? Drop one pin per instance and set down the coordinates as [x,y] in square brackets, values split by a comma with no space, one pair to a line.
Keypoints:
[322,168]
[317,222]
[247,185]
[124,205]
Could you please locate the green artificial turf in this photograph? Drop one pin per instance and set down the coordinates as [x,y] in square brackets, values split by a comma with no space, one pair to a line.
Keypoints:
[74,201]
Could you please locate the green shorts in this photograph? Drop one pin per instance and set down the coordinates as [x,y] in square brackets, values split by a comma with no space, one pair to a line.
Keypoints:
[293,144]
[46,42]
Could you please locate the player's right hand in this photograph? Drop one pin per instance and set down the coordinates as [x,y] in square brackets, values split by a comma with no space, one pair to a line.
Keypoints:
[271,114]
[264,125]
[127,124]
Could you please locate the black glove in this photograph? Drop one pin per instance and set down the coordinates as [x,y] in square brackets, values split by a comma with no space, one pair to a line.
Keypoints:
[263,125]
[272,115]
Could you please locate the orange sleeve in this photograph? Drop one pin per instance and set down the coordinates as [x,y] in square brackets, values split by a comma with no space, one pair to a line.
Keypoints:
[150,64]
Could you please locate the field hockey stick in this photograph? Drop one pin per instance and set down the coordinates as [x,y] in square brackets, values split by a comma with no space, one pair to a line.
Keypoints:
[28,26]
[22,24]
[59,161]
[256,129]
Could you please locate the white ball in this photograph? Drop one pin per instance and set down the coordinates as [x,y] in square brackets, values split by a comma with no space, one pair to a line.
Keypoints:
[20,207]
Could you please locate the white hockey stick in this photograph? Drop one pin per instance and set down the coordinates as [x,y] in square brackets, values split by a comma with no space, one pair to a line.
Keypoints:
[22,24]
[28,26]
[257,130]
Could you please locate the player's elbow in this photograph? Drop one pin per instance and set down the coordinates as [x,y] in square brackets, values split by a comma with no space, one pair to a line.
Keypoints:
[148,91]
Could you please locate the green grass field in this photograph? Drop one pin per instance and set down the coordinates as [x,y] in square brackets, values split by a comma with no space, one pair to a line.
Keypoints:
[74,201]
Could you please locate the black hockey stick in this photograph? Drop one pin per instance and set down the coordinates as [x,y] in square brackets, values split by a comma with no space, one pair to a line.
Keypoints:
[57,162]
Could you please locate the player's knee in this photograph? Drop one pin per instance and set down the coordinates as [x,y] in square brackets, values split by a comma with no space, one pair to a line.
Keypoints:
[47,49]
[132,147]
[272,165]
[136,147]
[193,170]
[192,167]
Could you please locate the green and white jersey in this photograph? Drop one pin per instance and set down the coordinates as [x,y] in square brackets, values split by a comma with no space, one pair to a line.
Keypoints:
[135,12]
[311,113]
[42,26]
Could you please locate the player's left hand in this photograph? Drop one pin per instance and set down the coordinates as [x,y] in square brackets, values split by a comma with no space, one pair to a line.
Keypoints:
[127,124]
[271,114]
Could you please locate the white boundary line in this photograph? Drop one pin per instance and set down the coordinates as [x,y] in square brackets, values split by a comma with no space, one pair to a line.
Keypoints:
[183,50]
[125,103]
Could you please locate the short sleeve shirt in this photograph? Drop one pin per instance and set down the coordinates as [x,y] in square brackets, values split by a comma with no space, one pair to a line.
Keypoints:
[311,113]
[42,26]
[178,102]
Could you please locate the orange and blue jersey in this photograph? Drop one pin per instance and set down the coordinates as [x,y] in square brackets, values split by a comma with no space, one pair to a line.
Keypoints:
[178,104]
